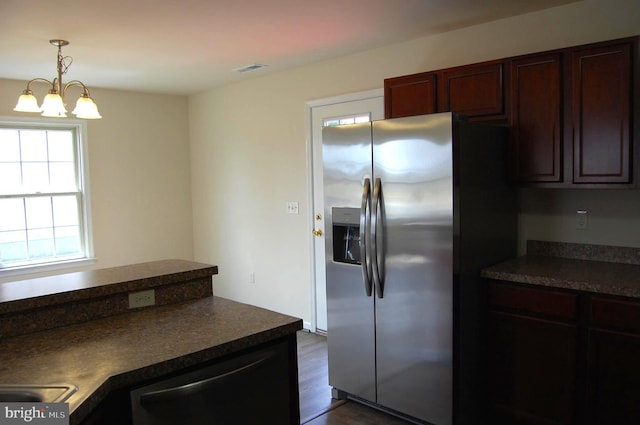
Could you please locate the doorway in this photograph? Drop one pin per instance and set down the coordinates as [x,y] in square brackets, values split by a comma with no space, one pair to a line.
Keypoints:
[330,111]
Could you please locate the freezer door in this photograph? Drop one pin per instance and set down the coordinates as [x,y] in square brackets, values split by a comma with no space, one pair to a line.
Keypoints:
[350,316]
[412,160]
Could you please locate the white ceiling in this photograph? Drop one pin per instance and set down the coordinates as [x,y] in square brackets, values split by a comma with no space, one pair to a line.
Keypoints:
[188,46]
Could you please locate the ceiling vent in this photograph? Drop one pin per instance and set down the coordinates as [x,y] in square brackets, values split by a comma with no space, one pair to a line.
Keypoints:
[249,68]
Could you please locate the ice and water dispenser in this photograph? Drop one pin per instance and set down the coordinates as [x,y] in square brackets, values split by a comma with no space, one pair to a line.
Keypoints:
[346,235]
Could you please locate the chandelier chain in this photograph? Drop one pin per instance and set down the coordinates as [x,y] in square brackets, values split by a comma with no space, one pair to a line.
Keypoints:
[64,62]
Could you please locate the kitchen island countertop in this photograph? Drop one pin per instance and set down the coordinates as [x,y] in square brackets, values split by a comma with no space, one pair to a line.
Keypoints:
[104,355]
[38,304]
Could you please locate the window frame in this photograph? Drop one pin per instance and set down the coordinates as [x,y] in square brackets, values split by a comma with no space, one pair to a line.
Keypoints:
[346,119]
[79,127]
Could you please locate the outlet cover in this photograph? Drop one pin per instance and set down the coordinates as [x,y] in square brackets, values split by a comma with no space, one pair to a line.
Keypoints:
[142,298]
[292,208]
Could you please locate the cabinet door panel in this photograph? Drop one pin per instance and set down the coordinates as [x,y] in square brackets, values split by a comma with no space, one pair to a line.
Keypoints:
[615,314]
[602,90]
[532,370]
[550,304]
[410,95]
[613,378]
[472,90]
[536,119]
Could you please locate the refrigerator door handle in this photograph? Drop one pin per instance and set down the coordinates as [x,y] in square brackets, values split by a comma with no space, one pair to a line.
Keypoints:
[365,223]
[377,255]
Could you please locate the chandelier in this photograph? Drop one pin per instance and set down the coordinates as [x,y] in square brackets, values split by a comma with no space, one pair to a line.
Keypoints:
[53,104]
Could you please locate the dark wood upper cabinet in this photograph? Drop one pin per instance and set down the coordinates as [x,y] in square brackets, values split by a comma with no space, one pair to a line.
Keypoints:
[601,110]
[473,90]
[536,118]
[572,112]
[410,95]
[570,117]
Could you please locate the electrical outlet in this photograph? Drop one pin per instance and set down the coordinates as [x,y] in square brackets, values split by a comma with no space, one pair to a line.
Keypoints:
[142,298]
[292,207]
[252,278]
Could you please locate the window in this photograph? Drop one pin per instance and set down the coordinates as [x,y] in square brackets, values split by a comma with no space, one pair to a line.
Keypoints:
[44,219]
[351,119]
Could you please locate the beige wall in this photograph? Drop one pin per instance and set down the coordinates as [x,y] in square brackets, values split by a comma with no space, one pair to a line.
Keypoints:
[139,175]
[249,151]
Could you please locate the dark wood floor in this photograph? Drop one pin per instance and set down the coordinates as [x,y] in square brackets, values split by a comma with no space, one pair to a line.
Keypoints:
[316,405]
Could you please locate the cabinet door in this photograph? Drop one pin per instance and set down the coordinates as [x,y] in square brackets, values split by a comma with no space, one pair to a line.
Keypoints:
[536,119]
[601,91]
[473,90]
[613,370]
[410,95]
[613,389]
[532,370]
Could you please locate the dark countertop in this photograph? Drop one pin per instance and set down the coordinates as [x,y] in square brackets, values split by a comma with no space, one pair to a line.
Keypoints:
[577,273]
[39,304]
[71,287]
[104,355]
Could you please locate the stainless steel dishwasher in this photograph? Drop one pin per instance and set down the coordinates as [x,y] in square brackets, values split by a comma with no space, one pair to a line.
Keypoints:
[251,388]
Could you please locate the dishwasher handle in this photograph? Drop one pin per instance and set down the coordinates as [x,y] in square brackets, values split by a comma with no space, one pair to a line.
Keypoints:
[192,388]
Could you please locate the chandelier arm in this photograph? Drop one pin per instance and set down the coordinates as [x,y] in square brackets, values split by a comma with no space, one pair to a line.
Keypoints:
[52,84]
[73,83]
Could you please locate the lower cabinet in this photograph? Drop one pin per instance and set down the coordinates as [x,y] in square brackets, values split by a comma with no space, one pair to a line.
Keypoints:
[562,357]
[533,370]
[532,356]
[613,362]
[613,389]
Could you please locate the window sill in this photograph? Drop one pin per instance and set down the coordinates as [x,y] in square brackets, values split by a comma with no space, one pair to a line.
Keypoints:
[47,267]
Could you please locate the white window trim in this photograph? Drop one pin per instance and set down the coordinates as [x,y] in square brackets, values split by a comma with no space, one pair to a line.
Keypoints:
[83,160]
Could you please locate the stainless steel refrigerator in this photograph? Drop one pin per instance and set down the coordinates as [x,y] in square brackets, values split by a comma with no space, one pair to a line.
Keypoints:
[414,208]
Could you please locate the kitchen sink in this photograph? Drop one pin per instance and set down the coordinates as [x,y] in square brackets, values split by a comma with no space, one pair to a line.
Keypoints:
[36,393]
[16,396]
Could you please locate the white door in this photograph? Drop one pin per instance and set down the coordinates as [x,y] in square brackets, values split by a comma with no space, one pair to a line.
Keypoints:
[342,109]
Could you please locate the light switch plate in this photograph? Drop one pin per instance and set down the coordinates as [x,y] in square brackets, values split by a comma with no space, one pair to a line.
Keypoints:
[581,220]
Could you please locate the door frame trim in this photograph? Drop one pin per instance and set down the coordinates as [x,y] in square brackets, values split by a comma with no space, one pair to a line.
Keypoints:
[309,105]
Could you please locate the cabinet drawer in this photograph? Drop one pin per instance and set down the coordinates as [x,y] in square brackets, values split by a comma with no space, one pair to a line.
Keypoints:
[615,313]
[544,302]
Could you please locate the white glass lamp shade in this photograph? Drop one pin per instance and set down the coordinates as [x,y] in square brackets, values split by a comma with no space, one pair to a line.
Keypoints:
[86,108]
[53,106]
[27,102]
